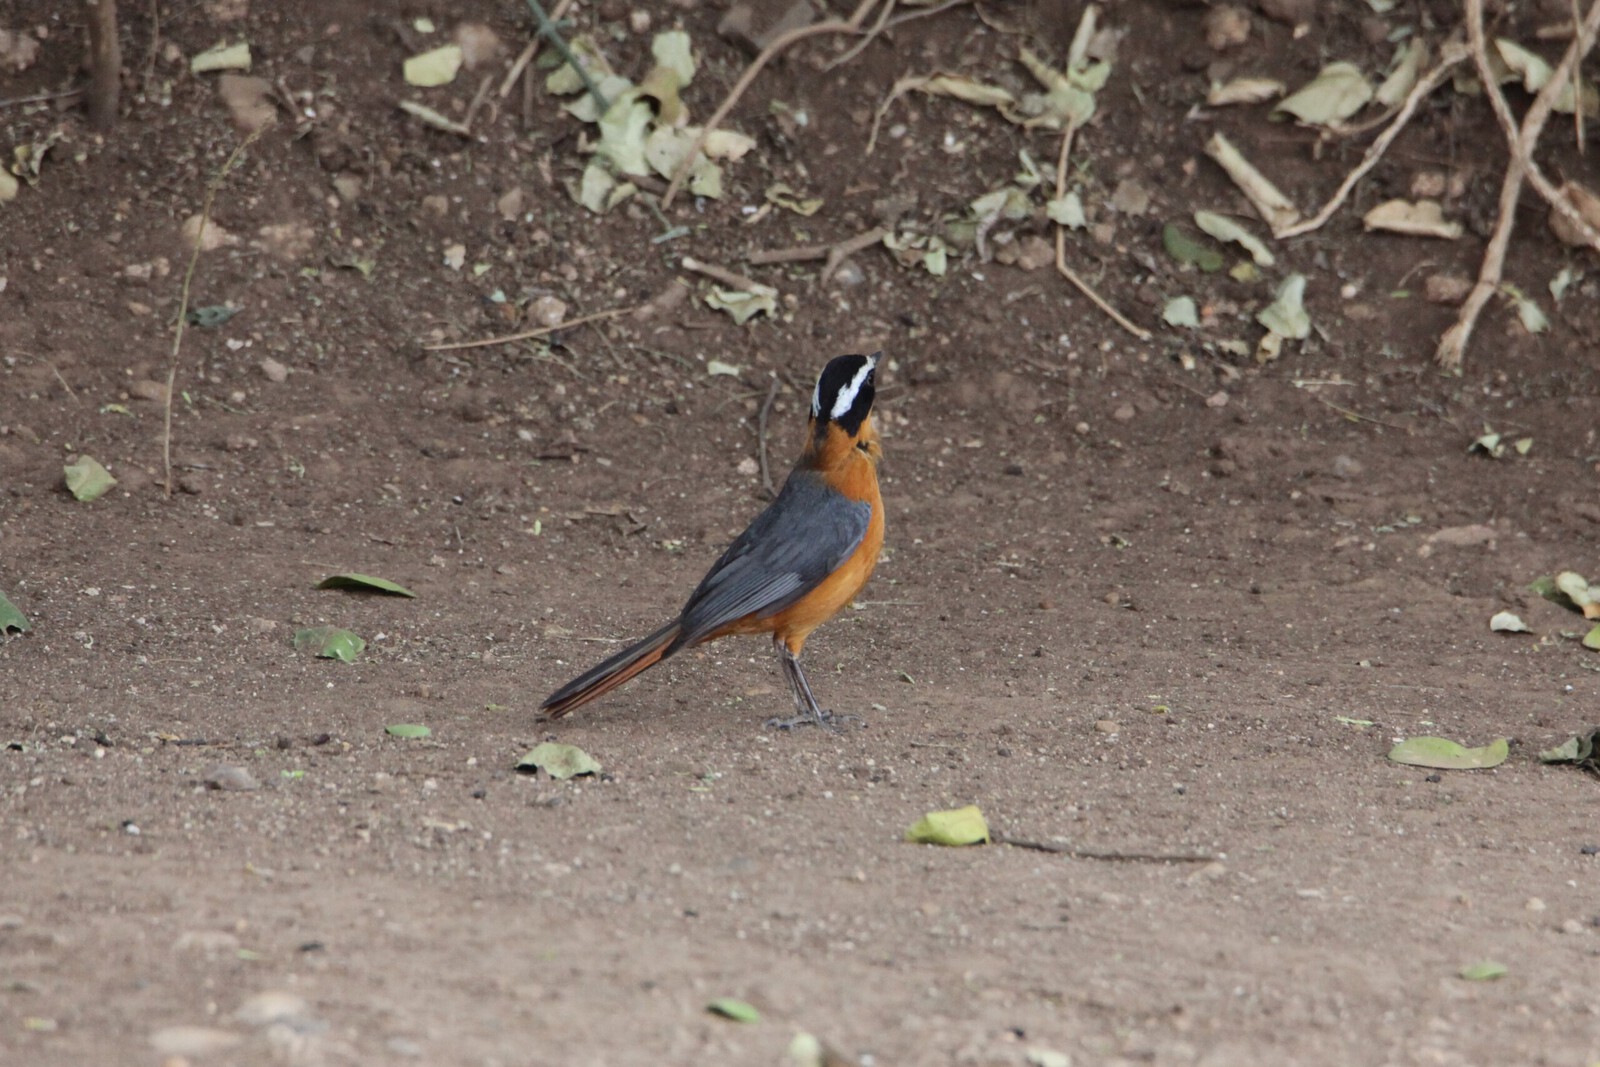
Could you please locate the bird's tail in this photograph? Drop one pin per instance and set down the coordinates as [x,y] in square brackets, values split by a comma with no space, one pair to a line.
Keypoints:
[605,677]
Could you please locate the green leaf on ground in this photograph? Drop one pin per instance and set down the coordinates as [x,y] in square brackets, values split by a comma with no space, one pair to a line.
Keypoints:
[11,617]
[558,761]
[365,583]
[86,479]
[1592,638]
[1180,311]
[1578,749]
[408,730]
[1487,971]
[1338,91]
[732,1008]
[1225,229]
[1444,754]
[1185,249]
[434,68]
[962,826]
[329,642]
[1286,315]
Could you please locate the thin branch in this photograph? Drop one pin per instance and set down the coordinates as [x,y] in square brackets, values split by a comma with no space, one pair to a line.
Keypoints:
[1110,855]
[1061,246]
[548,30]
[183,299]
[527,55]
[774,47]
[1453,344]
[761,439]
[527,334]
[1452,54]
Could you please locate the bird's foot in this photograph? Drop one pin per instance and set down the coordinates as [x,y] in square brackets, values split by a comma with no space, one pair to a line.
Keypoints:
[822,719]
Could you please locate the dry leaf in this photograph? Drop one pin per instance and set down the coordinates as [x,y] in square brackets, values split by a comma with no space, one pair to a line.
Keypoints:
[1425,218]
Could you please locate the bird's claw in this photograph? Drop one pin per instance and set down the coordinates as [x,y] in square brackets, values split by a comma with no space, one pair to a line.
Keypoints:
[823,719]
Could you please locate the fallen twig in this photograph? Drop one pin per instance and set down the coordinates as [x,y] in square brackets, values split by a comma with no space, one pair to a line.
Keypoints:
[767,54]
[1355,416]
[1110,855]
[761,439]
[1453,344]
[183,297]
[527,334]
[528,53]
[548,30]
[1452,53]
[1061,246]
[835,253]
[721,274]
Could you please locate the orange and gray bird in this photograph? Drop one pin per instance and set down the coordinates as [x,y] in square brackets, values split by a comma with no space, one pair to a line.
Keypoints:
[801,560]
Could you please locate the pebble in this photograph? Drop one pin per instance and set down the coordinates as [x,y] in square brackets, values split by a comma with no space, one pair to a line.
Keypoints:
[274,1006]
[748,466]
[1572,926]
[232,779]
[193,1040]
[548,311]
[1107,726]
[274,371]
[1534,904]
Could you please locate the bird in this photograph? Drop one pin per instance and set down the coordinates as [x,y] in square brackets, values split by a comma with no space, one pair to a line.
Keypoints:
[800,560]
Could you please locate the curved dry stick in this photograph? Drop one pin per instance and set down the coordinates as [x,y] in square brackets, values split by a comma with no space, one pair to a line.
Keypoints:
[777,45]
[1452,54]
[1453,344]
[1061,247]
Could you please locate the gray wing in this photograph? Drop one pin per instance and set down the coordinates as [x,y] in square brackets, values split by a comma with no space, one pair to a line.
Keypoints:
[801,538]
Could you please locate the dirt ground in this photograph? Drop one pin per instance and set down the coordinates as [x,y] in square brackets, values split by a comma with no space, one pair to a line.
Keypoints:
[1145,598]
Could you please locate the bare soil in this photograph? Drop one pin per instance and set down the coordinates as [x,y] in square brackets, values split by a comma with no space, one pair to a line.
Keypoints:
[1139,598]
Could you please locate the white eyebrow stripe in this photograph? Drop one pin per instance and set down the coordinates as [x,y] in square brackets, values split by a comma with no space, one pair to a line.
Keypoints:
[847,395]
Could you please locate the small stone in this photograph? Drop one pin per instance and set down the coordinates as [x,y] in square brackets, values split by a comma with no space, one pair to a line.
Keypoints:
[1573,926]
[1218,399]
[209,235]
[348,186]
[1534,904]
[847,275]
[1446,288]
[1130,198]
[1107,726]
[207,942]
[192,484]
[436,205]
[1226,26]
[1346,468]
[1034,253]
[145,389]
[238,442]
[246,100]
[1124,413]
[274,371]
[273,1006]
[231,779]
[510,203]
[748,466]
[193,1040]
[479,44]
[639,20]
[547,311]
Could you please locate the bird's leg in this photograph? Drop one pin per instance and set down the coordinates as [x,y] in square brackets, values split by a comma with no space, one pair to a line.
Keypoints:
[810,712]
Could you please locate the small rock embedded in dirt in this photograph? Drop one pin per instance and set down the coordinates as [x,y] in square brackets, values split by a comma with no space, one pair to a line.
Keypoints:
[211,238]
[1459,537]
[348,185]
[1218,399]
[547,311]
[274,371]
[478,43]
[1346,468]
[231,779]
[289,241]
[274,1006]
[191,484]
[1035,253]
[145,389]
[1124,413]
[1446,288]
[246,100]
[509,205]
[847,275]
[238,442]
[209,942]
[748,466]
[189,1041]
[1130,198]
[1226,26]
[1107,726]
[436,205]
